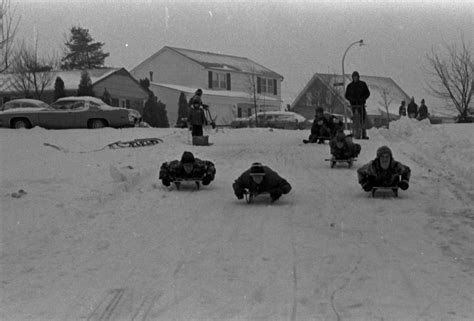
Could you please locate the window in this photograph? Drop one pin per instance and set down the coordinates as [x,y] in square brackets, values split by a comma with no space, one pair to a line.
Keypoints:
[219,80]
[267,85]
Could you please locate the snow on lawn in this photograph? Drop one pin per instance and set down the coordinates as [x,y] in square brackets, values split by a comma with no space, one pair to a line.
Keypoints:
[94,235]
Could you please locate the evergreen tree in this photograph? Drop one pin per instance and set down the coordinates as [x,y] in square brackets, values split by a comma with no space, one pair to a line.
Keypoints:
[106,98]
[145,83]
[155,113]
[182,111]
[59,91]
[85,86]
[81,52]
[162,115]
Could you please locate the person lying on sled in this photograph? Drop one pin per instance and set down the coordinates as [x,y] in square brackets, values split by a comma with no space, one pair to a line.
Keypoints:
[384,171]
[261,179]
[342,147]
[187,168]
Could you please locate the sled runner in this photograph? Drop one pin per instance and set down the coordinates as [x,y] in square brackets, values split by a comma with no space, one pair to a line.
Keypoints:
[385,189]
[249,196]
[197,181]
[334,161]
[318,140]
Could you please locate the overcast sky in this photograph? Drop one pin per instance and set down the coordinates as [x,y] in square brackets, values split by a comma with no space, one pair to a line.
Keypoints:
[294,38]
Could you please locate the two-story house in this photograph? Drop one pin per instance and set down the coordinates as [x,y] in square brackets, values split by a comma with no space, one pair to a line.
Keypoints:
[325,90]
[232,86]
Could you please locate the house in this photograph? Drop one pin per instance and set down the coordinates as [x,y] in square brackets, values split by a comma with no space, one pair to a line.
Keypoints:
[124,90]
[326,90]
[231,85]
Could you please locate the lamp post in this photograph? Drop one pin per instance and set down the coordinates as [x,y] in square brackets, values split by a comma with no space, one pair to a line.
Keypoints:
[361,43]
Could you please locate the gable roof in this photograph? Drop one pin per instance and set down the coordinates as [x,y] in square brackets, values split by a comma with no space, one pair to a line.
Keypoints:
[217,61]
[376,85]
[71,78]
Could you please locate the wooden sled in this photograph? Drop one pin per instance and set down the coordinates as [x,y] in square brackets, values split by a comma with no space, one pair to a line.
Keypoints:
[385,189]
[334,161]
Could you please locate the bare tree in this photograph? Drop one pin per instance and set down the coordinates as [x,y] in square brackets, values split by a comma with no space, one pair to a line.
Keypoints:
[453,76]
[387,99]
[252,81]
[31,75]
[8,27]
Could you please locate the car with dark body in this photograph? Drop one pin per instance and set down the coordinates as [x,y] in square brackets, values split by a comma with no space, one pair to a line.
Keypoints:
[23,103]
[71,112]
[272,119]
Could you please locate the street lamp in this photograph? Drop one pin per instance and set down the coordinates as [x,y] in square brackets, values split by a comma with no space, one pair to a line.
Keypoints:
[361,43]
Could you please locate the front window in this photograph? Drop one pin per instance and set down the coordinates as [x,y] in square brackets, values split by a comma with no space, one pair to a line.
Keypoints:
[266,85]
[219,80]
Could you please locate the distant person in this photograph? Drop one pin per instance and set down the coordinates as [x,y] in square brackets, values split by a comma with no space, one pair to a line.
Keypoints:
[188,167]
[335,125]
[412,108]
[402,110]
[384,171]
[320,129]
[196,118]
[261,179]
[422,111]
[342,147]
[197,96]
[357,93]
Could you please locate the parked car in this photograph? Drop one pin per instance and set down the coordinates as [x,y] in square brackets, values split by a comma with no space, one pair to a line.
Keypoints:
[273,119]
[23,103]
[71,112]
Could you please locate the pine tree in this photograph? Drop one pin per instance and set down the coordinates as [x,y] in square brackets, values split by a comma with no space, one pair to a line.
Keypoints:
[81,52]
[106,98]
[85,86]
[182,111]
[59,91]
[162,115]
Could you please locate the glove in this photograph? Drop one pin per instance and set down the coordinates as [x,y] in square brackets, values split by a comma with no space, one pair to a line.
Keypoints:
[166,182]
[239,196]
[275,194]
[367,186]
[403,185]
[206,180]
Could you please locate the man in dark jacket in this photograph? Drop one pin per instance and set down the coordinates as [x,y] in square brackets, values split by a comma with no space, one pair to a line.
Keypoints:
[261,179]
[188,168]
[422,111]
[197,96]
[342,147]
[384,171]
[196,117]
[357,93]
[412,108]
[320,130]
[402,110]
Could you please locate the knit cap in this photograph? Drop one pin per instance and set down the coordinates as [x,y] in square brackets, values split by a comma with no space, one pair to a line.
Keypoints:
[187,158]
[257,169]
[384,150]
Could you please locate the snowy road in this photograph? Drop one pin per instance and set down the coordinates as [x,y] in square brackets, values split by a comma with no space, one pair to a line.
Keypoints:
[97,237]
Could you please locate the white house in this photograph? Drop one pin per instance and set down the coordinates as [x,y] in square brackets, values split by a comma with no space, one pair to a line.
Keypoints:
[230,84]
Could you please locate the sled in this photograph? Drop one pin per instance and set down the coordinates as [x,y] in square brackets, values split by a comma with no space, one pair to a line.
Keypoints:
[201,140]
[249,196]
[139,142]
[334,161]
[316,141]
[385,189]
[197,181]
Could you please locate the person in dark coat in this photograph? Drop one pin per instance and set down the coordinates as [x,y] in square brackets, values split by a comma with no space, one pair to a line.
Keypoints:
[196,118]
[422,111]
[412,108]
[197,97]
[261,179]
[336,125]
[402,110]
[188,167]
[320,129]
[357,93]
[342,147]
[384,171]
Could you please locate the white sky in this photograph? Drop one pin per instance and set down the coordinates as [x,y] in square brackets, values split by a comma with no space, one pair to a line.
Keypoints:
[293,38]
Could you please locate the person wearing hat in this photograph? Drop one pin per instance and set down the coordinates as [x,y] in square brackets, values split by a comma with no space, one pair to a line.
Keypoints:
[197,96]
[188,167]
[320,130]
[384,171]
[261,179]
[357,93]
[342,147]
[196,117]
[422,111]
[402,110]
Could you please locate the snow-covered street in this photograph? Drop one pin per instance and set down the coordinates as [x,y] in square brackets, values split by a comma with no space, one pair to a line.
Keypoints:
[97,237]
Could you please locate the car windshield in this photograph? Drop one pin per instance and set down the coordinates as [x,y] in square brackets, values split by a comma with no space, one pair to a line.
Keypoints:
[22,104]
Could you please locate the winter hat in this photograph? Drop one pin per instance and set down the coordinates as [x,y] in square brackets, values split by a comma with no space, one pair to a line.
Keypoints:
[355,73]
[384,150]
[187,158]
[340,137]
[257,170]
[199,92]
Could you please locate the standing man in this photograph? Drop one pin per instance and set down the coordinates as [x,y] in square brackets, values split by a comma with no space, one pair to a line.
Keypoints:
[197,96]
[412,108]
[402,110]
[357,93]
[422,111]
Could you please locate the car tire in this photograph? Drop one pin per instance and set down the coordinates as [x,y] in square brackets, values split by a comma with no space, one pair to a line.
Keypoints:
[97,123]
[21,123]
